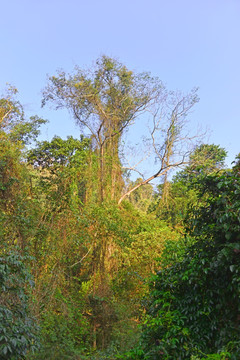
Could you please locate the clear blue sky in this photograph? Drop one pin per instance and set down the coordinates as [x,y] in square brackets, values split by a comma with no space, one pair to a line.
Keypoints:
[186,43]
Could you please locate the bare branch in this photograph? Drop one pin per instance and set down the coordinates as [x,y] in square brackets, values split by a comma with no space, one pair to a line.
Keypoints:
[78,262]
[159,173]
[169,142]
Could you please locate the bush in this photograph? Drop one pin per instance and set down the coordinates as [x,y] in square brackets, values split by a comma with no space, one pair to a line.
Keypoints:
[193,310]
[18,330]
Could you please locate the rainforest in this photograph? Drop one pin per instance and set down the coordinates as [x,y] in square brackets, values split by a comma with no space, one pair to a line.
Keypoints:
[101,261]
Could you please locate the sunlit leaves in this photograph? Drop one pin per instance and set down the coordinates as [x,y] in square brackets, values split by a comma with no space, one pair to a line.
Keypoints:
[202,288]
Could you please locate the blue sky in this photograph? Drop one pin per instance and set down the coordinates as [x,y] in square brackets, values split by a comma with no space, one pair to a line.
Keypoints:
[186,43]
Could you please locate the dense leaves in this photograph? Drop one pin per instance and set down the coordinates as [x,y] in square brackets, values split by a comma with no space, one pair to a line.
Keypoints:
[18,330]
[92,260]
[181,191]
[194,303]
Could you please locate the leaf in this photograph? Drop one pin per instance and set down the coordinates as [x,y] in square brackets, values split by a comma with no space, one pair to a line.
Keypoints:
[228,235]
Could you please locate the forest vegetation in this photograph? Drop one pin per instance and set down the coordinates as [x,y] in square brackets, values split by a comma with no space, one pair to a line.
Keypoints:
[98,264]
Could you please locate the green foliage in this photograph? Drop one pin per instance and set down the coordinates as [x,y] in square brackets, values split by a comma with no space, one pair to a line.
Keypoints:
[223,355]
[181,196]
[59,153]
[206,159]
[194,303]
[18,330]
[181,191]
[64,331]
[110,91]
[63,170]
[16,216]
[13,122]
[92,258]
[142,197]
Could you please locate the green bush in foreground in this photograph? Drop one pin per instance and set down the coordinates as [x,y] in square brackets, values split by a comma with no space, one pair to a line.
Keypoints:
[17,328]
[193,310]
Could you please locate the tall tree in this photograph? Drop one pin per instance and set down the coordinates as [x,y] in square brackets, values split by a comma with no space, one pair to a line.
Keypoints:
[104,100]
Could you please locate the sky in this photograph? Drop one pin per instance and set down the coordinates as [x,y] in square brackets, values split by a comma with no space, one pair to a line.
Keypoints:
[185,43]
